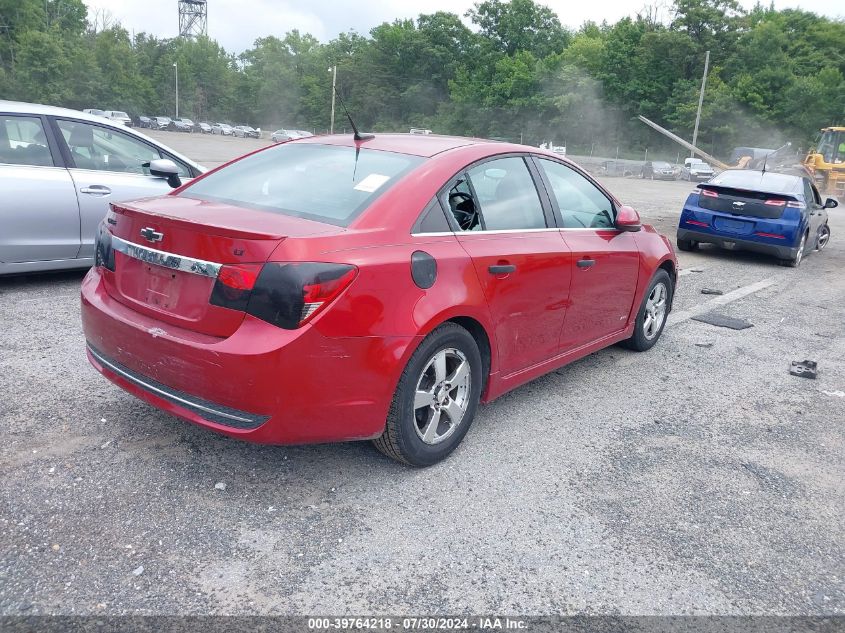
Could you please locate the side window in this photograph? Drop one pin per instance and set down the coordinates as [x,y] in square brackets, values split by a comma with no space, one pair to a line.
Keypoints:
[432,220]
[463,205]
[23,142]
[507,195]
[582,204]
[104,149]
[811,195]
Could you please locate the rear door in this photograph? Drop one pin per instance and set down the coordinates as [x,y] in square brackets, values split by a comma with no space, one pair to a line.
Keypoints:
[605,261]
[521,261]
[39,214]
[107,166]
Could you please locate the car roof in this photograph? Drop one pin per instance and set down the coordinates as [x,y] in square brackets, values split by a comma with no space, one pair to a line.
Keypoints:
[758,180]
[19,107]
[426,145]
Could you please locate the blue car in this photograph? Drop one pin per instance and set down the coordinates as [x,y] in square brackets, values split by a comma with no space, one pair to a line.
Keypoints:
[779,214]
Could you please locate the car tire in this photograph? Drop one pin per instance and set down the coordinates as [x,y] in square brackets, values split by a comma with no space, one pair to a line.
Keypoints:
[823,237]
[651,319]
[687,245]
[796,260]
[426,434]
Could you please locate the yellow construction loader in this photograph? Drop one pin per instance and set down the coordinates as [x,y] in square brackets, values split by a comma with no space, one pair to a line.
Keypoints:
[827,162]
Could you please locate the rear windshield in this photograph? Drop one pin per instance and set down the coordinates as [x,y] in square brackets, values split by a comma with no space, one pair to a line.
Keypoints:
[753,180]
[326,183]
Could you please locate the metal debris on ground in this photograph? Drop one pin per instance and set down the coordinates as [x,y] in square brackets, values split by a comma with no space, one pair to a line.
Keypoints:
[711,291]
[720,320]
[805,368]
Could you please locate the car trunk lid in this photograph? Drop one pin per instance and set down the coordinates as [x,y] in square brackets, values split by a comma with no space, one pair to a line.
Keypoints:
[170,252]
[740,202]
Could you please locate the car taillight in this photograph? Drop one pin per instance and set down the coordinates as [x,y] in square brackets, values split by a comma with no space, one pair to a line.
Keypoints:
[775,203]
[234,285]
[794,204]
[709,193]
[772,235]
[104,255]
[697,223]
[287,295]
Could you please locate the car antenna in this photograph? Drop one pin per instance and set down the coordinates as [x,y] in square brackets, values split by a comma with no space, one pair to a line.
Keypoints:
[357,135]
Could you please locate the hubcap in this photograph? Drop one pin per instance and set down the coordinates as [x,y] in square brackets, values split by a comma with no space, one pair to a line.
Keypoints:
[800,253]
[655,310]
[442,395]
[824,236]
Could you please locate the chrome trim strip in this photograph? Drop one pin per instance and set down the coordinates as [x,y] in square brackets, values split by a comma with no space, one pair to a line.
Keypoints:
[165,259]
[511,231]
[163,393]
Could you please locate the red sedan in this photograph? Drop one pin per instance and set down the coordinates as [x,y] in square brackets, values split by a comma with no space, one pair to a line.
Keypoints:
[332,289]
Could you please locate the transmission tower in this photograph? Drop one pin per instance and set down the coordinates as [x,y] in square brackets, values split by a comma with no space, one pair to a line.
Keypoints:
[193,18]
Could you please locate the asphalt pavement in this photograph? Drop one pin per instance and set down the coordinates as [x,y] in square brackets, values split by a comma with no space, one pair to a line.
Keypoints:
[697,478]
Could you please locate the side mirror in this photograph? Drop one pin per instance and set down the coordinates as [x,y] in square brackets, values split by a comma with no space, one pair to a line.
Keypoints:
[831,203]
[166,168]
[627,219]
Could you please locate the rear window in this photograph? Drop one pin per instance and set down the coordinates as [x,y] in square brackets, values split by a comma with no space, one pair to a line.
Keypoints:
[753,180]
[320,182]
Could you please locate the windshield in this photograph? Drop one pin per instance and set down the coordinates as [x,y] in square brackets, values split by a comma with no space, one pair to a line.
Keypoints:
[659,165]
[326,183]
[118,114]
[832,146]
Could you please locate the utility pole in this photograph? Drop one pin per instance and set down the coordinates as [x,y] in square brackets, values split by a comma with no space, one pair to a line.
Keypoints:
[700,101]
[333,71]
[176,66]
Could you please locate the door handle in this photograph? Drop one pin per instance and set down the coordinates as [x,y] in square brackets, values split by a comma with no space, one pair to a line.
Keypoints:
[585,263]
[96,190]
[501,269]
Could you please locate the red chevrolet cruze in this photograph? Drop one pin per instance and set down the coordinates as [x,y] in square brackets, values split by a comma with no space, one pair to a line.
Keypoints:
[333,289]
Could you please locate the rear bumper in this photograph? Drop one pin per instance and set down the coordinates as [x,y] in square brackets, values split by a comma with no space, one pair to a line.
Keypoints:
[781,252]
[261,384]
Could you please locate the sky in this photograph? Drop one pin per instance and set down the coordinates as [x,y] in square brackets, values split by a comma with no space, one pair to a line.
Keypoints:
[236,24]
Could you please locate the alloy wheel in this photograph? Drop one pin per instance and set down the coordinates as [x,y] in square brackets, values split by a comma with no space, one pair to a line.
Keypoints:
[824,237]
[442,395]
[655,311]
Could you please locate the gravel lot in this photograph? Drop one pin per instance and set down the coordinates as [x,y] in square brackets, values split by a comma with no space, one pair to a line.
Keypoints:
[697,478]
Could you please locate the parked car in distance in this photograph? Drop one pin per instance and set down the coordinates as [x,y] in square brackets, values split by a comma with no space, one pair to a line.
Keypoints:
[329,319]
[773,213]
[182,125]
[221,128]
[160,122]
[696,169]
[245,131]
[204,128]
[59,170]
[118,116]
[95,111]
[658,170]
[615,168]
[144,121]
[282,135]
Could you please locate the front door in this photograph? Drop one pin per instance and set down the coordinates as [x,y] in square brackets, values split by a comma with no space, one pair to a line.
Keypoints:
[107,166]
[605,261]
[522,264]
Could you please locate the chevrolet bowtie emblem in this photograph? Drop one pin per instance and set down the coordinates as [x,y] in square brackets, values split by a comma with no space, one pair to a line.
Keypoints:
[151,235]
[739,204]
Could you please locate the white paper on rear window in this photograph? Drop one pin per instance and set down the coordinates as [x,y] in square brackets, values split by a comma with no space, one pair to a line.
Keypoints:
[372,182]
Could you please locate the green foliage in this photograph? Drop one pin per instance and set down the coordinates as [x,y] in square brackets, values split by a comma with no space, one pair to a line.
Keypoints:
[774,75]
